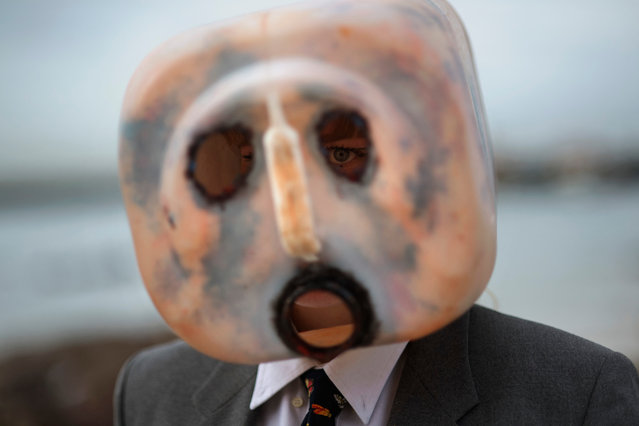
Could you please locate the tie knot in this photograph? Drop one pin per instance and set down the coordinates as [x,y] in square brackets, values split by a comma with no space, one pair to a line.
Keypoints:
[325,401]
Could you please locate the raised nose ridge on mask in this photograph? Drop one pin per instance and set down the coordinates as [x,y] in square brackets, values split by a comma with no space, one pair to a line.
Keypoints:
[289,186]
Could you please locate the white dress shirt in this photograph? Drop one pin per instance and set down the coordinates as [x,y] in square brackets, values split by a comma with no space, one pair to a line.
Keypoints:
[367,377]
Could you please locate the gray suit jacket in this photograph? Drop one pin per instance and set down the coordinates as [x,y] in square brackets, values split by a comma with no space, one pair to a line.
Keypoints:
[485,368]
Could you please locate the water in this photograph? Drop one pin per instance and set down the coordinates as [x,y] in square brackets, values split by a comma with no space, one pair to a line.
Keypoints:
[567,257]
[69,273]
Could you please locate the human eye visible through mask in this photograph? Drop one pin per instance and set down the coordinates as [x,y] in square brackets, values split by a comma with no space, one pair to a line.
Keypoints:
[344,143]
[347,157]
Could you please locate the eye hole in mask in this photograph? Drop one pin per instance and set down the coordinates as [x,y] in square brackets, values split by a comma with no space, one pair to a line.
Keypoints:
[345,143]
[220,161]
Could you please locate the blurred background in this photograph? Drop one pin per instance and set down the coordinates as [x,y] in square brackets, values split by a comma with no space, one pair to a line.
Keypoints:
[559,79]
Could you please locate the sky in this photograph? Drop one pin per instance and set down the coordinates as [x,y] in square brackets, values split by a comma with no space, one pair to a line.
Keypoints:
[552,72]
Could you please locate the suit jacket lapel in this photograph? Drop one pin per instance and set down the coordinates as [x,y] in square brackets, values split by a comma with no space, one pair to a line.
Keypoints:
[224,397]
[436,386]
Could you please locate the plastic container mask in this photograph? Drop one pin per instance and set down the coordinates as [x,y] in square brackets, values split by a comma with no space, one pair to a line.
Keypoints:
[310,179]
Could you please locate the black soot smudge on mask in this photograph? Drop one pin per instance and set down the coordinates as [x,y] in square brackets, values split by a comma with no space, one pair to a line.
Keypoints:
[427,183]
[225,268]
[144,151]
[228,60]
[171,275]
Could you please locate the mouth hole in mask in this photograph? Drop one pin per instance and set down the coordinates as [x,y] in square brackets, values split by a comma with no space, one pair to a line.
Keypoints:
[220,160]
[322,318]
[322,312]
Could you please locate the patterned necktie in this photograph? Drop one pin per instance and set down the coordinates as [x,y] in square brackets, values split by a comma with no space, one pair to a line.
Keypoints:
[325,401]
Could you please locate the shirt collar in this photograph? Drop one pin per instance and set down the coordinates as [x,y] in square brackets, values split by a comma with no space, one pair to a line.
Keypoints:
[359,374]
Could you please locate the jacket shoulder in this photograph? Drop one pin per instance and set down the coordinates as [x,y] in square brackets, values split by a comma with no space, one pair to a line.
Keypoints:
[156,386]
[526,367]
[522,340]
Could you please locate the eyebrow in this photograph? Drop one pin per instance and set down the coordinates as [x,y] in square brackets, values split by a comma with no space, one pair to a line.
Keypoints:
[341,139]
